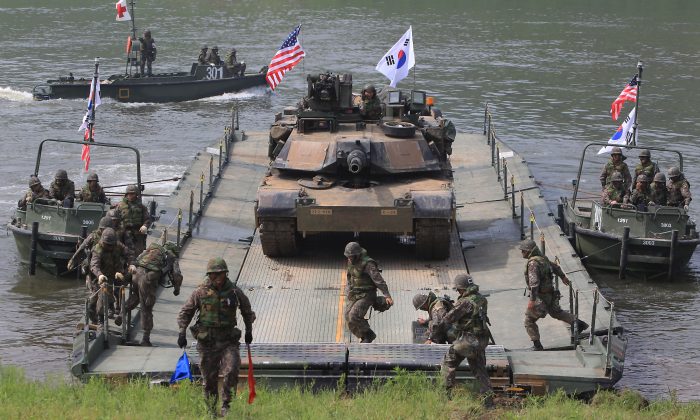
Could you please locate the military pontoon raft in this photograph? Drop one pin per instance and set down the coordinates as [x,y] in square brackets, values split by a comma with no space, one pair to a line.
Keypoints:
[300,336]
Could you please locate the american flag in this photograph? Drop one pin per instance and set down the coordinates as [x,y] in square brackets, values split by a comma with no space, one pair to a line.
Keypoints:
[629,93]
[289,55]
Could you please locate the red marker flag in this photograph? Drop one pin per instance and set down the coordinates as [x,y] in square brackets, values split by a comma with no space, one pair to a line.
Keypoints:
[251,378]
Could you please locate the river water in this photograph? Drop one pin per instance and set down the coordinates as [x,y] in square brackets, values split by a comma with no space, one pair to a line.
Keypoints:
[549,70]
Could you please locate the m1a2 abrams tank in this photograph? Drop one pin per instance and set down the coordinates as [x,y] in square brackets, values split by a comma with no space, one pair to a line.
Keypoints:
[333,171]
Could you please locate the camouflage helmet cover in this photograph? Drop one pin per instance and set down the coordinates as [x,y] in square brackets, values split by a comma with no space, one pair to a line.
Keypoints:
[92,176]
[616,151]
[216,265]
[659,177]
[172,247]
[616,176]
[642,178]
[463,281]
[645,153]
[109,237]
[673,172]
[61,174]
[114,214]
[215,48]
[205,47]
[105,222]
[419,300]
[352,248]
[133,188]
[369,88]
[34,180]
[527,245]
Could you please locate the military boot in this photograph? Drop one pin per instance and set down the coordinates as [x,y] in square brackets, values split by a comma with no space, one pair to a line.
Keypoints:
[118,320]
[224,409]
[369,337]
[146,339]
[581,325]
[536,346]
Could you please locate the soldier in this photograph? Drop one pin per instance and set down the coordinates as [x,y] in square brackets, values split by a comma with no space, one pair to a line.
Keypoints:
[135,218]
[122,236]
[645,166]
[92,192]
[659,193]
[469,318]
[217,300]
[371,107]
[363,280]
[62,189]
[641,196]
[154,264]
[678,189]
[148,52]
[544,299]
[202,59]
[83,254]
[615,164]
[238,69]
[213,56]
[36,190]
[615,193]
[109,261]
[437,308]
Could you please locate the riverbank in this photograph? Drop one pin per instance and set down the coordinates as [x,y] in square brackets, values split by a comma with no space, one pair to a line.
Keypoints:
[406,396]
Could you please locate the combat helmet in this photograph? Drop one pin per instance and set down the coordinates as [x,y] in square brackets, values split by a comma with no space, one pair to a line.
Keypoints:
[616,151]
[61,174]
[673,172]
[133,188]
[527,245]
[642,178]
[645,153]
[92,176]
[215,48]
[34,180]
[172,247]
[616,176]
[147,33]
[352,249]
[109,237]
[419,300]
[105,222]
[114,214]
[463,281]
[205,47]
[660,177]
[217,265]
[369,88]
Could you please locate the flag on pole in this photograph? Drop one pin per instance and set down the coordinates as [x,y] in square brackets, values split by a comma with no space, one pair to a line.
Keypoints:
[624,133]
[289,55]
[629,93]
[89,119]
[399,59]
[182,369]
[122,11]
[251,378]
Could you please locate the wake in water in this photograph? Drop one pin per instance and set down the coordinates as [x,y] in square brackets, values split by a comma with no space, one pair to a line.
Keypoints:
[9,94]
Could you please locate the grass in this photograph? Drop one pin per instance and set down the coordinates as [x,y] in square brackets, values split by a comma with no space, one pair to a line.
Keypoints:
[407,396]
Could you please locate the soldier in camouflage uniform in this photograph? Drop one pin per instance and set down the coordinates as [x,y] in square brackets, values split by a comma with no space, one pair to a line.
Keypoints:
[371,107]
[109,260]
[437,308]
[231,62]
[641,196]
[83,254]
[363,280]
[36,190]
[202,58]
[544,299]
[62,189]
[469,318]
[615,193]
[678,189]
[217,300]
[122,236]
[645,166]
[92,192]
[148,52]
[154,264]
[616,164]
[659,193]
[213,56]
[135,218]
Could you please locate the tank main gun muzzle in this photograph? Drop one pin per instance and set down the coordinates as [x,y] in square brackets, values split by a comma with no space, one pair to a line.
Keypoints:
[356,161]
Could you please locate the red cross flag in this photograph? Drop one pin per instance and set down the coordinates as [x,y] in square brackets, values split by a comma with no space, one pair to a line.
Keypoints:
[122,11]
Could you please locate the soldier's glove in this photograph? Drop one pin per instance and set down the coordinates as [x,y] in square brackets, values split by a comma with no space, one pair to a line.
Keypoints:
[565,280]
[119,276]
[685,208]
[132,269]
[176,292]
[182,340]
[248,336]
[143,230]
[101,279]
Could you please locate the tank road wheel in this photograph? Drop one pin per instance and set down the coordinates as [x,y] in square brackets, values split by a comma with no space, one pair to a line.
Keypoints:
[278,237]
[432,239]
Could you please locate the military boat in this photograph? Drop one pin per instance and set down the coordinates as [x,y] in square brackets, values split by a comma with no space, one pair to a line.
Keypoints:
[59,230]
[654,241]
[332,170]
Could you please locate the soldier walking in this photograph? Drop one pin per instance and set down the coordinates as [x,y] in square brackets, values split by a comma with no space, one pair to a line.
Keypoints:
[154,264]
[363,280]
[437,308]
[62,189]
[469,318]
[135,218]
[217,300]
[544,299]
[109,261]
[83,254]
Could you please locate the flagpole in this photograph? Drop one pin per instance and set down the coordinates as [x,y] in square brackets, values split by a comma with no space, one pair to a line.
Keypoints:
[93,91]
[133,23]
[640,67]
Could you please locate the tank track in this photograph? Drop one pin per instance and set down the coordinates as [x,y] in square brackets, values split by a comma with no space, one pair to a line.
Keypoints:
[432,238]
[278,237]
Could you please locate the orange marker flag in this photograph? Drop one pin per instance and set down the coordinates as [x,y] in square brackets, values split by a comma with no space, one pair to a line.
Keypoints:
[251,378]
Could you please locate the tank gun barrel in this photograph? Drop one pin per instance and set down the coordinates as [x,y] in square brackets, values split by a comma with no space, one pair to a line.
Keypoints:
[356,161]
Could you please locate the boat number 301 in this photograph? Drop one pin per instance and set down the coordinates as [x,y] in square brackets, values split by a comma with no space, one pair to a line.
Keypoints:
[215,73]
